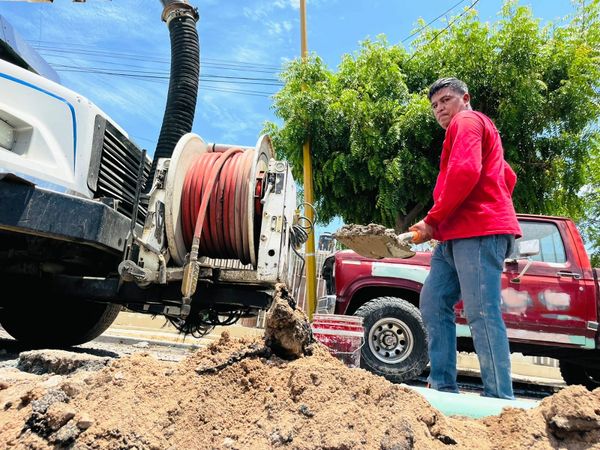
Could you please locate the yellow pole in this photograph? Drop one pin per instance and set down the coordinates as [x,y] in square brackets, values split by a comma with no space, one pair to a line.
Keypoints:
[311,282]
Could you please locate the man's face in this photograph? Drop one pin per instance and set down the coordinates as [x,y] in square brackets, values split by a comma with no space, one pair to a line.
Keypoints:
[446,103]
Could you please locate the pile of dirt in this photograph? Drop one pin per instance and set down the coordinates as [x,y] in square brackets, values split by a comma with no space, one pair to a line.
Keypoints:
[230,395]
[281,390]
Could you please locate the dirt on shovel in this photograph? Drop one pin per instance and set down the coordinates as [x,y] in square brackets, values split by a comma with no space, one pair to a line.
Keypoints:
[373,241]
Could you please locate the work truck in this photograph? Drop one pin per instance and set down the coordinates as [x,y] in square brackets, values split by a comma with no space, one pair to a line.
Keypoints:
[89,224]
[550,303]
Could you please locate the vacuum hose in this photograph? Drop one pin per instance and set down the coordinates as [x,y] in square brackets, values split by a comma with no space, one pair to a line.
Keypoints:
[183,84]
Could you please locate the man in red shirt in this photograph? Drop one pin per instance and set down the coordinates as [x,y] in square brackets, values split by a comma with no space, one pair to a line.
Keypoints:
[474,219]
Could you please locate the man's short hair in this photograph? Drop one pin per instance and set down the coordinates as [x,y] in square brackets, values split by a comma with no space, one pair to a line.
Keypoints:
[455,84]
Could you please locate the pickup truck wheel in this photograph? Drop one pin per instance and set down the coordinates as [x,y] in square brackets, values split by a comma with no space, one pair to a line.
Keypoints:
[576,374]
[395,339]
[57,323]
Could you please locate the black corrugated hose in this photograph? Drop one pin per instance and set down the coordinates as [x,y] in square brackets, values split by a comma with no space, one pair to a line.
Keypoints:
[183,87]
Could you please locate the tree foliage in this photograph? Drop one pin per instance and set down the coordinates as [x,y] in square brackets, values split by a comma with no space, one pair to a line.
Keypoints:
[590,223]
[375,144]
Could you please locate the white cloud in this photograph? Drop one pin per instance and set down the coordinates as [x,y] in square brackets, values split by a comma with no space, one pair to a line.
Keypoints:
[231,114]
[278,28]
[265,9]
[274,28]
[282,4]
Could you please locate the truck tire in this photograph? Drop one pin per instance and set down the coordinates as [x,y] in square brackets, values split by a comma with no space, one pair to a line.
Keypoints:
[576,374]
[56,324]
[395,339]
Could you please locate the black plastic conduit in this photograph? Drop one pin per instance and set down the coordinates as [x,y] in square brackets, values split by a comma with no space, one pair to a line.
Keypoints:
[178,119]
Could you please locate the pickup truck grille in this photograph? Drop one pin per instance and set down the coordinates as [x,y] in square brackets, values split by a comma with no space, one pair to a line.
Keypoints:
[114,167]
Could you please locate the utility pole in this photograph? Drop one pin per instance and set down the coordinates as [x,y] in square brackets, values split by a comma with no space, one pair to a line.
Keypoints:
[311,285]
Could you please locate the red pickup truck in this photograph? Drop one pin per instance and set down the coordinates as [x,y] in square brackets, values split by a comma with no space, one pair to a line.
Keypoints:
[550,302]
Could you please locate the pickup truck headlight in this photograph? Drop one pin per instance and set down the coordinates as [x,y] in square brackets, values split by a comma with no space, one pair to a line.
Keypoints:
[7,135]
[326,304]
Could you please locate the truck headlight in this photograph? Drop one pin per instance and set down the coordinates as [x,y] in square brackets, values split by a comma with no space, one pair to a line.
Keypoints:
[7,135]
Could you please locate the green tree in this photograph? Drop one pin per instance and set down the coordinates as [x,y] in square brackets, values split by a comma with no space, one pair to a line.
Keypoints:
[590,223]
[376,146]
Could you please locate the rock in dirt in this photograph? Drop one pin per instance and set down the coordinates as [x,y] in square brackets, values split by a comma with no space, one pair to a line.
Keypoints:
[59,362]
[572,412]
[373,241]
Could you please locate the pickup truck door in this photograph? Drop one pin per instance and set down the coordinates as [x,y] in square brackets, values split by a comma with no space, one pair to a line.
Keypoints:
[550,302]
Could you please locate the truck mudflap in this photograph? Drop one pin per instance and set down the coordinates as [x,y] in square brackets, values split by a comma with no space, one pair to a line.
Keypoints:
[26,208]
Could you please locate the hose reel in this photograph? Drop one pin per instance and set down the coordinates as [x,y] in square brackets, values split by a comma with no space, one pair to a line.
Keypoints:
[230,184]
[236,204]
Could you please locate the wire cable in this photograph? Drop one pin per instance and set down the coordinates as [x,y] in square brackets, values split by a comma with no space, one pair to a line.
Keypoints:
[447,27]
[431,21]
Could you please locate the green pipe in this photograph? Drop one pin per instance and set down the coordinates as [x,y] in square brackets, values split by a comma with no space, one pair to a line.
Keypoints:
[470,405]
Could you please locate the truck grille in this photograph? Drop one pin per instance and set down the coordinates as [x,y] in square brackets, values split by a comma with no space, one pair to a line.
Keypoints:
[114,169]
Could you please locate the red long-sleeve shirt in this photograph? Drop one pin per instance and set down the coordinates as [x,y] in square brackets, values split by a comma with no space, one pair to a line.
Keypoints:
[472,195]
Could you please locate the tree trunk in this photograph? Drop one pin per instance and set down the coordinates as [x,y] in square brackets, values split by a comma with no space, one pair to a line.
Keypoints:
[403,222]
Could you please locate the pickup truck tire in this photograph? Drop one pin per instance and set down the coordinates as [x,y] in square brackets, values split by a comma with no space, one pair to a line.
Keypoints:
[395,339]
[55,323]
[576,374]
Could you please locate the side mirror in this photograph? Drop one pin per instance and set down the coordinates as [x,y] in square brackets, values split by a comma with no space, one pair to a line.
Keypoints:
[529,248]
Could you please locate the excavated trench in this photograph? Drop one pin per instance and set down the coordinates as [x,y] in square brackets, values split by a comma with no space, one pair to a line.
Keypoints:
[279,391]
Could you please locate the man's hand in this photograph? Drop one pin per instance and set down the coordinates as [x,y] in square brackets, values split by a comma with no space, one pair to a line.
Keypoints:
[425,232]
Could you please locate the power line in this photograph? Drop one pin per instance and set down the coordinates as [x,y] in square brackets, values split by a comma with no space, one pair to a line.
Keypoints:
[84,49]
[61,54]
[116,67]
[205,79]
[165,75]
[430,22]
[447,27]
[92,57]
[164,80]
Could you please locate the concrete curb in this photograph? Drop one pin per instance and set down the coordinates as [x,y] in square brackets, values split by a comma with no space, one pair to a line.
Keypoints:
[125,340]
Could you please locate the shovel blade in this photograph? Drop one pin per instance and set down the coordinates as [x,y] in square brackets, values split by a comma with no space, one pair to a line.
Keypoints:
[373,241]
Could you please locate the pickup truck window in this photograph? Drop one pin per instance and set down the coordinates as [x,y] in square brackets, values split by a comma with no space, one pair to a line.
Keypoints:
[552,249]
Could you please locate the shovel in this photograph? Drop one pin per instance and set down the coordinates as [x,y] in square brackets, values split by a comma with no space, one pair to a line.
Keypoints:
[376,241]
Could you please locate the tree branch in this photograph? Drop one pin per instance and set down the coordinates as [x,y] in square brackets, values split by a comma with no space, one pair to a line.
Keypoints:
[403,222]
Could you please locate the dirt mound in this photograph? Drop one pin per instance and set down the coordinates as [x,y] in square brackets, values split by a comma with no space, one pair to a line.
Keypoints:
[230,395]
[249,394]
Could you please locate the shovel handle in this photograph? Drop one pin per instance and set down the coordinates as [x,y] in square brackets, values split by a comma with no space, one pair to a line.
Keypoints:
[410,236]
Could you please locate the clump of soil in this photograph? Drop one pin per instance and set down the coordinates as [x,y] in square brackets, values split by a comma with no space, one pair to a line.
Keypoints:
[287,330]
[569,419]
[229,396]
[373,241]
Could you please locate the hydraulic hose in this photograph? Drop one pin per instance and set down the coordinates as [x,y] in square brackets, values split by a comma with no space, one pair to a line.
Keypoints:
[183,83]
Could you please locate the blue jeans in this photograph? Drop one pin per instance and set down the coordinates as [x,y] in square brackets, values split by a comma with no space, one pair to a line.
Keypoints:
[468,269]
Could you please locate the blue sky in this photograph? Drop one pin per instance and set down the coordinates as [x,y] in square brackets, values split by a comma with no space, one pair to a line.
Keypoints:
[243,46]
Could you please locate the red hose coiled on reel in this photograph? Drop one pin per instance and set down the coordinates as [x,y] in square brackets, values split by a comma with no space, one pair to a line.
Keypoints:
[214,204]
